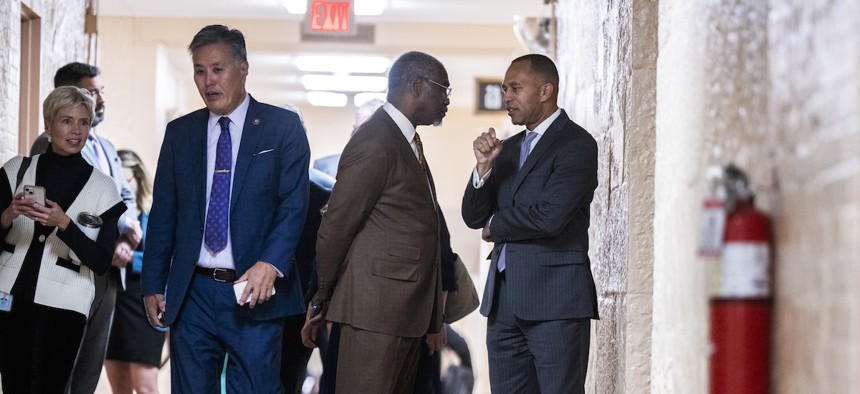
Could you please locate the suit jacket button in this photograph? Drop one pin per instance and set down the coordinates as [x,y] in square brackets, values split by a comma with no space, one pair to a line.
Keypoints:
[41,238]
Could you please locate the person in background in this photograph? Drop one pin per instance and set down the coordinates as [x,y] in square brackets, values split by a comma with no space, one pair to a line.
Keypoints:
[229,203]
[328,164]
[428,378]
[531,195]
[294,354]
[101,154]
[378,244]
[134,349]
[52,249]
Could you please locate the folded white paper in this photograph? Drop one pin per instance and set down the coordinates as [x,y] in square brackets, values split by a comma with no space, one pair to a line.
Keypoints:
[239,287]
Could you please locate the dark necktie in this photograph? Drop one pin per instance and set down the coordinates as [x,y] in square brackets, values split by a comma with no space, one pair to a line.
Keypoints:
[420,148]
[524,152]
[219,198]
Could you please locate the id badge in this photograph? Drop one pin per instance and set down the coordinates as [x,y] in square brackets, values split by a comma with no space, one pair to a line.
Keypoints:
[5,302]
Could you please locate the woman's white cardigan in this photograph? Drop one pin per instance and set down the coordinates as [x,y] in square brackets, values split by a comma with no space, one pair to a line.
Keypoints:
[57,286]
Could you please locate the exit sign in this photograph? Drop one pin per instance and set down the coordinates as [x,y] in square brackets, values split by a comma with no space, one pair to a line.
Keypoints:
[330,17]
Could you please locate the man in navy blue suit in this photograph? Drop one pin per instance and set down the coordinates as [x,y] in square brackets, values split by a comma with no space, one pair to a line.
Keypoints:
[229,204]
[531,194]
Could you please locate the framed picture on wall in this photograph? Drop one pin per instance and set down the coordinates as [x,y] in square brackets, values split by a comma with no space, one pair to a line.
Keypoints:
[488,95]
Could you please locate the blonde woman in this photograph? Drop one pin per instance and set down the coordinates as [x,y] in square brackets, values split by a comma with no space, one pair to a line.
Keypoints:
[134,349]
[52,248]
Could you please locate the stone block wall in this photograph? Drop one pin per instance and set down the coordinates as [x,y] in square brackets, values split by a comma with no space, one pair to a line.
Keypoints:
[769,86]
[606,55]
[814,52]
[62,40]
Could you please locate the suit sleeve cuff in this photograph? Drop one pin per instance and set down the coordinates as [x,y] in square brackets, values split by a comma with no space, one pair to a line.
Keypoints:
[280,274]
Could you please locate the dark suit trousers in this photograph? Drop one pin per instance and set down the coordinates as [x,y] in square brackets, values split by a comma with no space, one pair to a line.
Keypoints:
[38,345]
[370,362]
[294,355]
[91,357]
[210,325]
[548,357]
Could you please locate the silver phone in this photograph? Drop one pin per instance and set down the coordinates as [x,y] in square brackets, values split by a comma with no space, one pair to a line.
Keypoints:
[35,193]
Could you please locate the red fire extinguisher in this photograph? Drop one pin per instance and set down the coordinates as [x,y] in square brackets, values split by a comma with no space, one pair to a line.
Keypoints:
[741,302]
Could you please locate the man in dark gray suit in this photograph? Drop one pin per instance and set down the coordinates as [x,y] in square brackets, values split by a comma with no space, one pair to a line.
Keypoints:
[531,194]
[101,154]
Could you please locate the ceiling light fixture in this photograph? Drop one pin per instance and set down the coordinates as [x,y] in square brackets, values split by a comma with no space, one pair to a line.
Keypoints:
[362,7]
[327,99]
[296,7]
[344,83]
[342,64]
[362,98]
[370,7]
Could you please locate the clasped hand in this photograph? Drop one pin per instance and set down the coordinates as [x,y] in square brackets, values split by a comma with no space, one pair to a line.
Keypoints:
[49,215]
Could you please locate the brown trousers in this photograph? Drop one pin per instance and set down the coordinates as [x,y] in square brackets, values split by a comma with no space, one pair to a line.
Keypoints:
[370,362]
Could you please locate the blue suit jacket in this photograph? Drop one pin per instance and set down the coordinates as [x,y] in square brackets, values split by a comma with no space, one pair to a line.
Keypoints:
[542,211]
[268,203]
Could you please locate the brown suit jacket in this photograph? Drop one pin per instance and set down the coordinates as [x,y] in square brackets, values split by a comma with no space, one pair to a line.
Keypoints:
[378,243]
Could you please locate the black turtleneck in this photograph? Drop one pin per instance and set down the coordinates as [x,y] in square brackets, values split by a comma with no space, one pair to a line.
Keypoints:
[62,174]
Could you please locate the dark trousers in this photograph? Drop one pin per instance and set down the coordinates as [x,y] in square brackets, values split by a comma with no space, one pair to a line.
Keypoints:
[38,345]
[88,365]
[210,326]
[534,356]
[328,380]
[294,355]
[370,362]
[428,377]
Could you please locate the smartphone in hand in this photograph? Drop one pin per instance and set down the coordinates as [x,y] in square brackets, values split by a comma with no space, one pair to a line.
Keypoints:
[35,193]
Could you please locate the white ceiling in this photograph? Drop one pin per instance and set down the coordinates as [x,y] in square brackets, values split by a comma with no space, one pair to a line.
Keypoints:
[274,78]
[430,11]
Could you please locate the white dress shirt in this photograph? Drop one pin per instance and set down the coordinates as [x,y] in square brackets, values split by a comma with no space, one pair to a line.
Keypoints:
[224,258]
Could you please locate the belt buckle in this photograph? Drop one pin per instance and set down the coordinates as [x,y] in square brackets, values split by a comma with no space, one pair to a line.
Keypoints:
[215,272]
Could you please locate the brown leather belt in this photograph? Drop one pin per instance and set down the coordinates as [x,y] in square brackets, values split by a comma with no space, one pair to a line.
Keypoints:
[217,274]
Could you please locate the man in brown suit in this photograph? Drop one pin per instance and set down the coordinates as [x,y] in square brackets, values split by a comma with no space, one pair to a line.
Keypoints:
[378,244]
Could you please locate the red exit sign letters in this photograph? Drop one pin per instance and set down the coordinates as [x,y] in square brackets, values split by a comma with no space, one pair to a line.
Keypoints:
[330,17]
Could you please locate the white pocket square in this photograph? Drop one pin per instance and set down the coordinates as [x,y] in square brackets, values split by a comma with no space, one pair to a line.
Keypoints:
[263,151]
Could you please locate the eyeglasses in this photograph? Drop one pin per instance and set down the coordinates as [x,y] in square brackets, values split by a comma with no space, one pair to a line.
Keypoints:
[447,88]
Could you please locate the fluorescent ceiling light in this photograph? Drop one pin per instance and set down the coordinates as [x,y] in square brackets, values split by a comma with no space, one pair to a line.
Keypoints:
[295,6]
[343,64]
[326,99]
[370,7]
[361,98]
[344,83]
[362,7]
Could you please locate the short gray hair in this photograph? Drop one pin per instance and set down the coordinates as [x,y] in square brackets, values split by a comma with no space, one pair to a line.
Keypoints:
[220,34]
[409,67]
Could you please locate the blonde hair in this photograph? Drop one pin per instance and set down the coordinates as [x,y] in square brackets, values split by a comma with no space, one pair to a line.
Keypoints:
[143,195]
[67,96]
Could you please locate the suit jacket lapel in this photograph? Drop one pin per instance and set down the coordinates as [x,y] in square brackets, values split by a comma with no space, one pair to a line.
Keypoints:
[251,132]
[407,155]
[197,143]
[537,154]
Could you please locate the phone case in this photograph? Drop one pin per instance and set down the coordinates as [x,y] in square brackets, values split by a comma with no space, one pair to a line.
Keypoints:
[35,193]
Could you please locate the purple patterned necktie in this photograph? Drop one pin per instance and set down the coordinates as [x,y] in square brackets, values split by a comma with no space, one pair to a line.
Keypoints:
[524,152]
[219,198]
